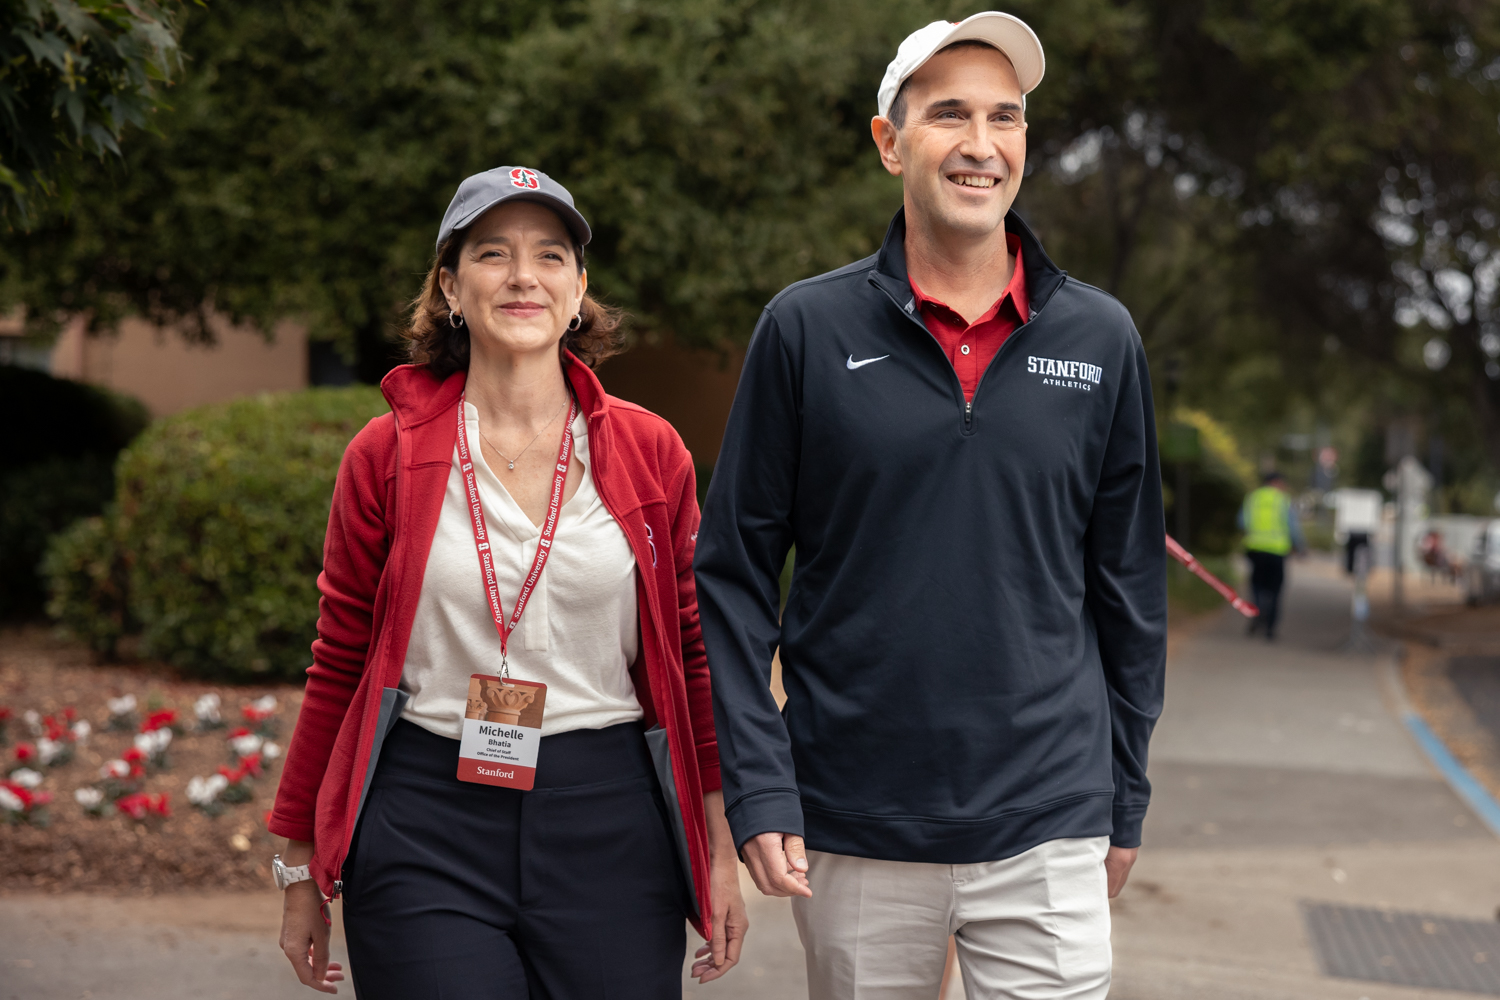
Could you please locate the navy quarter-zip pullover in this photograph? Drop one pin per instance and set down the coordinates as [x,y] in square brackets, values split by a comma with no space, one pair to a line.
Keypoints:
[974,644]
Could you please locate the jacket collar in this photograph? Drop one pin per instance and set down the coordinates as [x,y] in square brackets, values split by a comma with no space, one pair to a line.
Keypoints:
[416,395]
[1043,277]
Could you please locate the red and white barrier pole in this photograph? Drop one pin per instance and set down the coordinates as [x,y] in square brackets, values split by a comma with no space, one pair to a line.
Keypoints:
[1227,592]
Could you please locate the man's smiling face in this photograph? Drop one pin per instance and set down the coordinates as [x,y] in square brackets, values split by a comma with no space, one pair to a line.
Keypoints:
[960,166]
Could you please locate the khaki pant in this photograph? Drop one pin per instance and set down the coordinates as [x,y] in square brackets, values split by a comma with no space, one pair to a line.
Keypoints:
[1031,927]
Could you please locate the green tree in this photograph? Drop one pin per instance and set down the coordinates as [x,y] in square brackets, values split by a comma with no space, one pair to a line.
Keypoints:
[74,75]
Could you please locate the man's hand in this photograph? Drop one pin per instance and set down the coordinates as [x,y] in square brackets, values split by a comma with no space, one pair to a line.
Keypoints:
[1117,867]
[778,864]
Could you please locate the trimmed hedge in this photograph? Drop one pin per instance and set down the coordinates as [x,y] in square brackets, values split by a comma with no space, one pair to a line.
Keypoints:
[59,469]
[211,551]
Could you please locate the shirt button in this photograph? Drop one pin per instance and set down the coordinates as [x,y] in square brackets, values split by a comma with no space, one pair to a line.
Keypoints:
[964,349]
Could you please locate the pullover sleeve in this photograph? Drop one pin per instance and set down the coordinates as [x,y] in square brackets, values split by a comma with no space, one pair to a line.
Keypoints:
[1125,574]
[354,554]
[742,547]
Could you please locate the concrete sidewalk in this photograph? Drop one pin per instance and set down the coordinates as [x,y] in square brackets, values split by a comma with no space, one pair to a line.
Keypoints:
[1283,777]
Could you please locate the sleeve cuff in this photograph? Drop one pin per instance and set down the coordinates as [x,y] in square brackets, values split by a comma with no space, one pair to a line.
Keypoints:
[775,810]
[1128,821]
[282,827]
[709,778]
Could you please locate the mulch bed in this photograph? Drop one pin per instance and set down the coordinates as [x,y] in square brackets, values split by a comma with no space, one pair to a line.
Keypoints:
[115,852]
[1451,670]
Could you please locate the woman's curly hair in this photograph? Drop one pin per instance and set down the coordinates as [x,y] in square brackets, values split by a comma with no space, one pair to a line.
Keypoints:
[432,340]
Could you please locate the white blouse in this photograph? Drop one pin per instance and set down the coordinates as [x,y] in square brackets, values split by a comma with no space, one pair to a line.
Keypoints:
[579,633]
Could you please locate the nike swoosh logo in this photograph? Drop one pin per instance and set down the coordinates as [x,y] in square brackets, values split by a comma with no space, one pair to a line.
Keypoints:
[852,364]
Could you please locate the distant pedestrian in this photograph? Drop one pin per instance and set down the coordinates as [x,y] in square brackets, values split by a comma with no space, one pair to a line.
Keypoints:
[1271,533]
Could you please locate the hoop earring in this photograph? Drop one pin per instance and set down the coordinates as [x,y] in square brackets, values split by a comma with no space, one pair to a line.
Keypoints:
[575,323]
[455,320]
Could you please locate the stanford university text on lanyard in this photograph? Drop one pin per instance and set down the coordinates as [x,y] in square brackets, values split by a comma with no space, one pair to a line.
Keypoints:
[502,729]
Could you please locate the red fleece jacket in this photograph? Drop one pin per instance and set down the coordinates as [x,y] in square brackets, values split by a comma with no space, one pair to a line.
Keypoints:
[385,510]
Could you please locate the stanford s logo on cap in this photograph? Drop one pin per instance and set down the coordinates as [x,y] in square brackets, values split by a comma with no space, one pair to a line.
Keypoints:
[524,178]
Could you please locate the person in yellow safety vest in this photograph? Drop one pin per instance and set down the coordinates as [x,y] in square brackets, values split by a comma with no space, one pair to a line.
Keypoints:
[1271,532]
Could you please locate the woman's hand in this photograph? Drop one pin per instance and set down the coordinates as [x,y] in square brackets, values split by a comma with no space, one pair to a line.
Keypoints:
[730,923]
[304,927]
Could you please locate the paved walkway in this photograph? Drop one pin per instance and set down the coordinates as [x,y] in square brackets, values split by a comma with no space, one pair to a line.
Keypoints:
[1282,777]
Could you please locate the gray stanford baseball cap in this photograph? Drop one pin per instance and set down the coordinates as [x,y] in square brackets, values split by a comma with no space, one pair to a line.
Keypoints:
[482,192]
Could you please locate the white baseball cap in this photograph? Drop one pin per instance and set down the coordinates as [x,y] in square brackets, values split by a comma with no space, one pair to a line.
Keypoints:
[1011,35]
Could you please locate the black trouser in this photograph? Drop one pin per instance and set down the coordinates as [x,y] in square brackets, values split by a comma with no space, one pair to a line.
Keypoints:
[568,892]
[1267,574]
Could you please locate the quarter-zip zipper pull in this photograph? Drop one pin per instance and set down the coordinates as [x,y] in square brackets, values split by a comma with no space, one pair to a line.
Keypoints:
[968,410]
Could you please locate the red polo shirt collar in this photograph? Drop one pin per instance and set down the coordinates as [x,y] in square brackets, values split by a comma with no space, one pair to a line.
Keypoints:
[971,346]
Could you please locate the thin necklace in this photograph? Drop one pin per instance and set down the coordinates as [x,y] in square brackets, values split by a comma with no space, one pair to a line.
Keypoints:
[511,462]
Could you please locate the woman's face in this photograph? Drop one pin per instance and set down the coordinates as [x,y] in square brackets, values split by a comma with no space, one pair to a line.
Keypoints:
[517,284]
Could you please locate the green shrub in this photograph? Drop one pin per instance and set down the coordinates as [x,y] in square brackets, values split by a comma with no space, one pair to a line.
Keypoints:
[88,578]
[59,470]
[218,532]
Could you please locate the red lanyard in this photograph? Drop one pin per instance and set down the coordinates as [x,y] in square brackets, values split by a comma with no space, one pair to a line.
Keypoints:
[482,535]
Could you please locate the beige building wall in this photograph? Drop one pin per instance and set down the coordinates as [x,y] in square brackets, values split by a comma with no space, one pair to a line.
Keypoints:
[693,389]
[155,365]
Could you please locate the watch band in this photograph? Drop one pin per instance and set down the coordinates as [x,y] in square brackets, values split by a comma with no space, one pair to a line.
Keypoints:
[287,875]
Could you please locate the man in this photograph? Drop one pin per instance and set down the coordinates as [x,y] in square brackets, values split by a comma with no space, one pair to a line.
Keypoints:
[958,438]
[1271,531]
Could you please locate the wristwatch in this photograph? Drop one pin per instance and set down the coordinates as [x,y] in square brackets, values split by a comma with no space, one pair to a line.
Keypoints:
[285,876]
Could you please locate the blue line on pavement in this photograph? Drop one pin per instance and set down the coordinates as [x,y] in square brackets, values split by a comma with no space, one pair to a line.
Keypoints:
[1465,784]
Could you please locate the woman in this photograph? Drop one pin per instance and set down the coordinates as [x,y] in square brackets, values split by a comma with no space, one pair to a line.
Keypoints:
[505,761]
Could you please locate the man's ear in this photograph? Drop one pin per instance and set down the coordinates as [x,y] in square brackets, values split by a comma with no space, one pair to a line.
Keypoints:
[884,132]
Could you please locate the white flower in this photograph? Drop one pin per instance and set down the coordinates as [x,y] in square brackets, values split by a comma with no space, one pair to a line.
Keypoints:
[47,750]
[265,705]
[115,769]
[89,798]
[201,791]
[33,720]
[246,745]
[122,705]
[81,730]
[206,708]
[26,777]
[154,743]
[270,751]
[10,801]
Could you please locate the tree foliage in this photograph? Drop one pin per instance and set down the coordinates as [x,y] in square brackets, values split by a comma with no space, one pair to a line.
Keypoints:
[74,75]
[1292,196]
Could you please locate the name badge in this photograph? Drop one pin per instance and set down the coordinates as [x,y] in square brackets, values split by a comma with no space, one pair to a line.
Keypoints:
[502,732]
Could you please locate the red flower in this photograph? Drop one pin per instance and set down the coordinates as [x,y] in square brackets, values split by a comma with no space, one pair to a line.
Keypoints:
[137,761]
[157,720]
[25,751]
[56,731]
[4,712]
[134,805]
[235,775]
[256,715]
[267,817]
[21,792]
[236,733]
[251,764]
[70,713]
[158,804]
